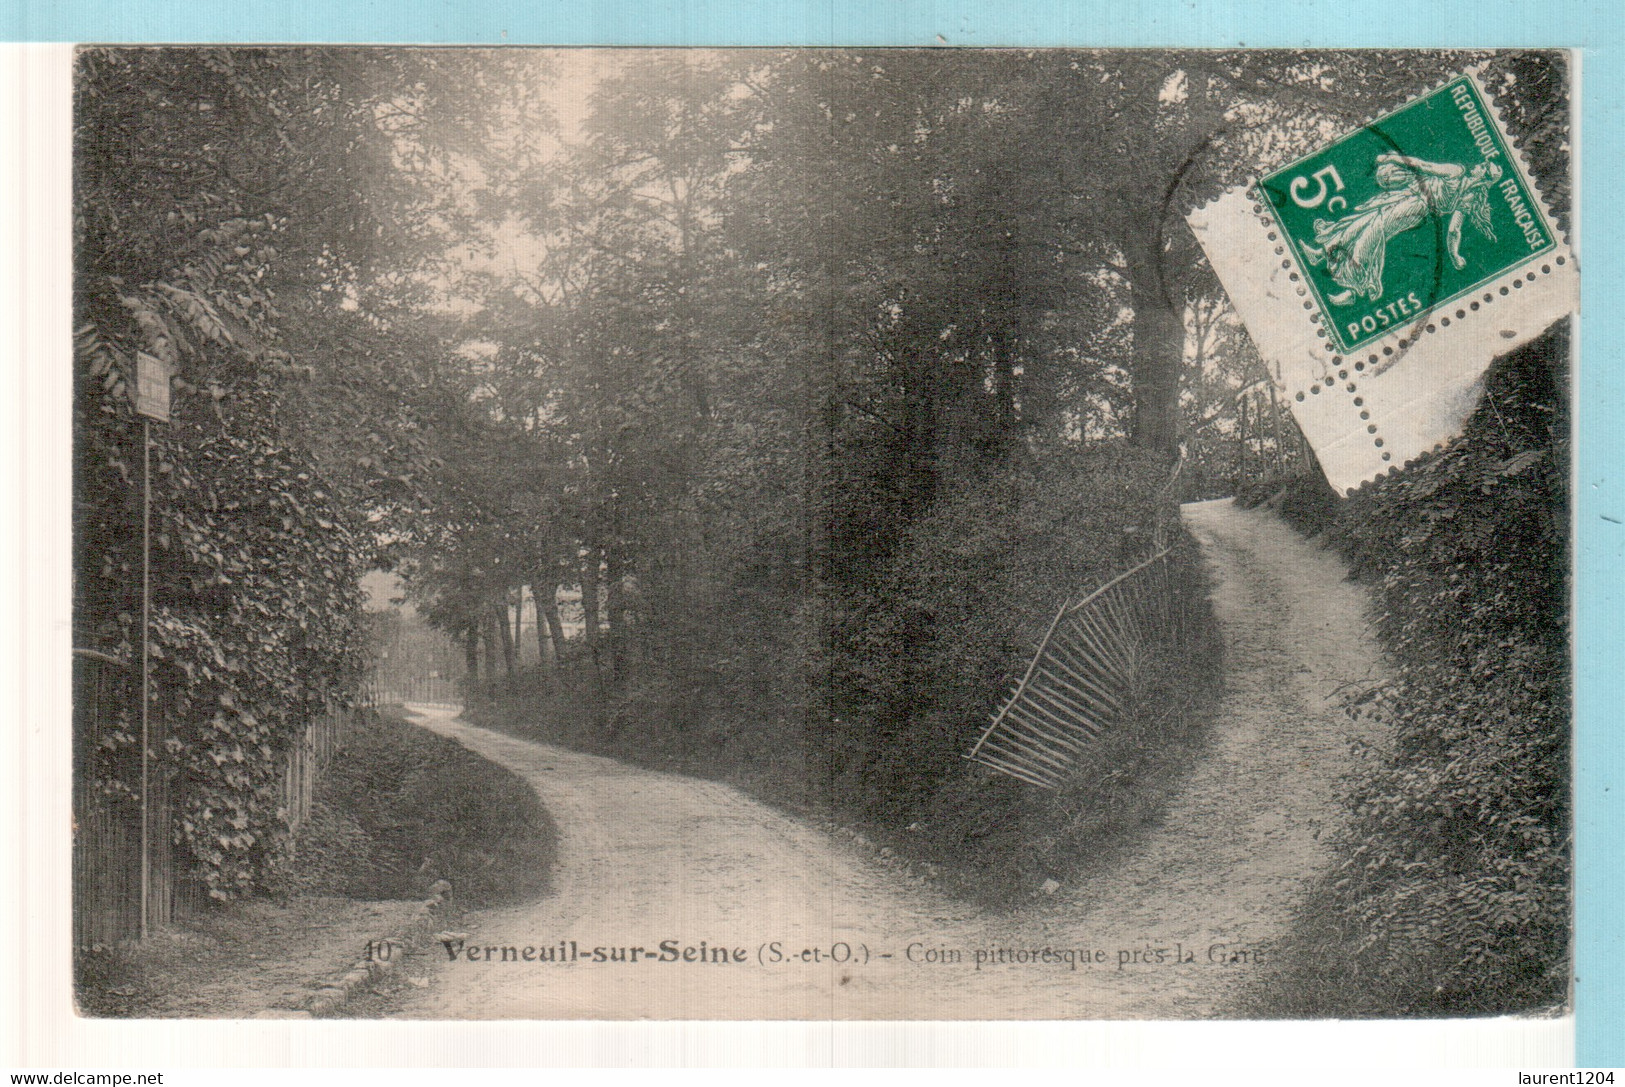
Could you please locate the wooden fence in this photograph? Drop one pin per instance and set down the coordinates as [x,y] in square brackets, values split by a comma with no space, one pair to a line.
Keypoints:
[107,825]
[308,758]
[1269,443]
[1087,670]
[433,690]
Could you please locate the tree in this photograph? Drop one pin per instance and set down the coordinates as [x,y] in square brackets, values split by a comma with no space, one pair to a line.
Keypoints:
[256,556]
[1137,140]
[239,214]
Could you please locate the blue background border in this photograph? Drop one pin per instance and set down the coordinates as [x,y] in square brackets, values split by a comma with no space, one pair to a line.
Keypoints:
[1593,27]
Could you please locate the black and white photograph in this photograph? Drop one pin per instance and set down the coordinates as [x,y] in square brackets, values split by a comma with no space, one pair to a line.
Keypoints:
[818,534]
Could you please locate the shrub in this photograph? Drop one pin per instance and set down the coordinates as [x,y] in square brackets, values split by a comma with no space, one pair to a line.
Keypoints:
[401,808]
[932,643]
[1452,896]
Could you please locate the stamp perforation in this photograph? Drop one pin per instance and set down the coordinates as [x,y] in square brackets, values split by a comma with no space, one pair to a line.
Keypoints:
[1503,296]
[1397,339]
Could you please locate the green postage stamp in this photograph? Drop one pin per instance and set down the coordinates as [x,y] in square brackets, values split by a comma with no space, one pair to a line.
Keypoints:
[1407,214]
[1380,274]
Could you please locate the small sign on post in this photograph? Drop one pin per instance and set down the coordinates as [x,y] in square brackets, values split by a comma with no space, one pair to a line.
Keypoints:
[152,376]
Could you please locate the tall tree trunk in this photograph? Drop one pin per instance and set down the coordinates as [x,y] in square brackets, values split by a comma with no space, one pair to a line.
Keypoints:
[820,425]
[1005,328]
[919,452]
[505,632]
[493,637]
[589,603]
[519,625]
[1159,336]
[615,606]
[542,656]
[555,626]
[471,660]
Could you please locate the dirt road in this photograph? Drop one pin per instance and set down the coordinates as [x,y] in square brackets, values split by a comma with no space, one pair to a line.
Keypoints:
[650,860]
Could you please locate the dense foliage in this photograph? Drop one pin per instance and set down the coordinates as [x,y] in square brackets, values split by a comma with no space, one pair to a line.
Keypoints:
[255,557]
[219,216]
[1453,894]
[802,384]
[833,373]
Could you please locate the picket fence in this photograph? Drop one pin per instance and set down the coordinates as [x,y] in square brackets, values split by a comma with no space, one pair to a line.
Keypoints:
[107,827]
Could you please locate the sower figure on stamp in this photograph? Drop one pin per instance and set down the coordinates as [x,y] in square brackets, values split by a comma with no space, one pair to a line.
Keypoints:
[1353,248]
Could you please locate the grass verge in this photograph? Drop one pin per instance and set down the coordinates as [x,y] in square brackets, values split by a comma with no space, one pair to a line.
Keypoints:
[401,808]
[398,809]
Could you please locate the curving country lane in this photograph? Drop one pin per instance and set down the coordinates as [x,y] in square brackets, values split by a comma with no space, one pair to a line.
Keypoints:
[647,857]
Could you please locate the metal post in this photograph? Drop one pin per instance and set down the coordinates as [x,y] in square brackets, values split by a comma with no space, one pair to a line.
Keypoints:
[146,671]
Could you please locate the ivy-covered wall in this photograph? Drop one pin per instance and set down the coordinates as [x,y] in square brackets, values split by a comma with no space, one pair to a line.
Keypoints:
[255,557]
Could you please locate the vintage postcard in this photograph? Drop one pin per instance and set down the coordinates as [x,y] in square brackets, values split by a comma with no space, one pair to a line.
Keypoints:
[821,534]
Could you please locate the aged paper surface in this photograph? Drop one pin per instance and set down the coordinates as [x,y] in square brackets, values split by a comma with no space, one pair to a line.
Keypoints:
[715,436]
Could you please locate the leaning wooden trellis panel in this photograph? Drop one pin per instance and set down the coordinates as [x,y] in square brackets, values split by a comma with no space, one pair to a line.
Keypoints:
[1084,673]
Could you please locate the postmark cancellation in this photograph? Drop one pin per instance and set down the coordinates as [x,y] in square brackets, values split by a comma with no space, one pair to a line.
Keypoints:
[1380,274]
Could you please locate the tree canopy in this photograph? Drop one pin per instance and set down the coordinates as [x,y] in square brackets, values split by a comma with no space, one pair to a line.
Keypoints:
[778,367]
